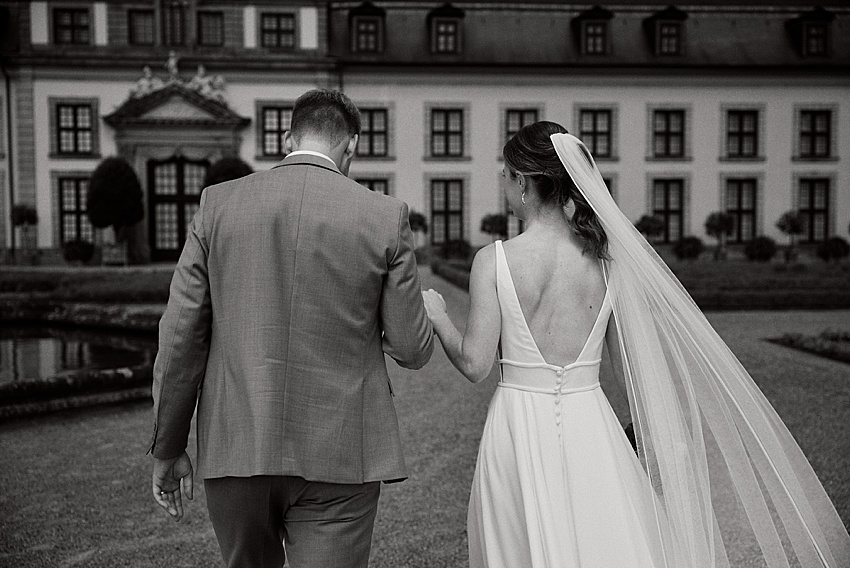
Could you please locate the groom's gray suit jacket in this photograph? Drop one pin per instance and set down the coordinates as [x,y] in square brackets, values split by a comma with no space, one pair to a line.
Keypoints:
[276,312]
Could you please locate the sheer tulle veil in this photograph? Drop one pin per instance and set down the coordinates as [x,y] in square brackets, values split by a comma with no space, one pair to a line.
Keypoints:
[732,485]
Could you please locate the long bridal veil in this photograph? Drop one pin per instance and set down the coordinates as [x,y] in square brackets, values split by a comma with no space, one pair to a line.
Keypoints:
[727,474]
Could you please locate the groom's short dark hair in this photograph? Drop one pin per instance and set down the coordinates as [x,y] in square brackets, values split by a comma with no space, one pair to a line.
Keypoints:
[327,114]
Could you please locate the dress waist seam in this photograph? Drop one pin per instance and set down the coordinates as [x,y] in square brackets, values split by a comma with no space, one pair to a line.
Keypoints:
[562,390]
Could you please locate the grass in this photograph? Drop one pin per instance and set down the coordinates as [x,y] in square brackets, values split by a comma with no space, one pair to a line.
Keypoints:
[830,344]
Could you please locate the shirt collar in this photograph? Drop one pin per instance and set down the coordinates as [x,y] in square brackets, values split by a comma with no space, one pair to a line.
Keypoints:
[311,153]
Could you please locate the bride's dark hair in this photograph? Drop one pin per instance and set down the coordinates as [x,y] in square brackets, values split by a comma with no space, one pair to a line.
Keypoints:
[531,153]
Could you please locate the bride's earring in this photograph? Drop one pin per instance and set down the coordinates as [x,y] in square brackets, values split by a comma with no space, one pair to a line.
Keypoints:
[522,197]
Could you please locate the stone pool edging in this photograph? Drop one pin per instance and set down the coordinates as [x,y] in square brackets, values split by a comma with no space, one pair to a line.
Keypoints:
[83,388]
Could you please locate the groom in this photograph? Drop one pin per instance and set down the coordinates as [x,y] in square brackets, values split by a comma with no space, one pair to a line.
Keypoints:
[292,285]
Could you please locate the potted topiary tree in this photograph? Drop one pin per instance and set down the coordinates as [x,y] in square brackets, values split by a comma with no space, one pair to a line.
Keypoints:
[834,248]
[792,224]
[495,225]
[650,226]
[720,225]
[115,199]
[25,217]
[226,169]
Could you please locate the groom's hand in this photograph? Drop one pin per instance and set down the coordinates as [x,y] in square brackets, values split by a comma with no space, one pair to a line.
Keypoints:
[167,477]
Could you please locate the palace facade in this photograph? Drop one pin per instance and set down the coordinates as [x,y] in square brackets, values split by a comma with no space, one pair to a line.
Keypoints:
[705,106]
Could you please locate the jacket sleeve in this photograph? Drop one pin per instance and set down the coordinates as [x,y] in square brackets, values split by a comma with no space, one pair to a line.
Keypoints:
[184,342]
[408,335]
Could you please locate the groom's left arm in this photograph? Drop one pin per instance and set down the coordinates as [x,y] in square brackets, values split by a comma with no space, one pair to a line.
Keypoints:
[184,342]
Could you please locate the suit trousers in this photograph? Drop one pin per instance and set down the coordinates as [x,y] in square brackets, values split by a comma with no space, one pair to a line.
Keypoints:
[323,525]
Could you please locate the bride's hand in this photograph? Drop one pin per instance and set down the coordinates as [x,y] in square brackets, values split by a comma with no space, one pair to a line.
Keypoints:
[435,305]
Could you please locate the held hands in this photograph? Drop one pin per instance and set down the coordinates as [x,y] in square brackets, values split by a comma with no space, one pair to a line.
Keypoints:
[435,305]
[167,477]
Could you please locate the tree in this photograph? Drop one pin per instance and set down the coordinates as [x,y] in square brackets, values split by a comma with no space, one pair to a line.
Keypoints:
[115,199]
[720,225]
[688,248]
[650,226]
[495,224]
[792,224]
[226,169]
[418,223]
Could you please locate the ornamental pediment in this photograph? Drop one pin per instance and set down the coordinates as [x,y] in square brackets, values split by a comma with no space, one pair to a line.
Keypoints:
[177,108]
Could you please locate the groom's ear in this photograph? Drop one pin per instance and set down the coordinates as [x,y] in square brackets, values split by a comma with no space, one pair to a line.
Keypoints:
[352,144]
[287,142]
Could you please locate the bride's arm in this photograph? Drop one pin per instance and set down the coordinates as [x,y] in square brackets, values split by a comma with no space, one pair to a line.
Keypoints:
[472,353]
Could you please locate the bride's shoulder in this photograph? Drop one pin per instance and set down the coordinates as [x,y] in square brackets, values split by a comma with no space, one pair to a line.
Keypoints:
[484,263]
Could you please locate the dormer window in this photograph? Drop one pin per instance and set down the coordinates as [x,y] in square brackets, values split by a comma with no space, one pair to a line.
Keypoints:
[594,38]
[446,29]
[815,38]
[665,31]
[669,38]
[592,29]
[810,33]
[366,28]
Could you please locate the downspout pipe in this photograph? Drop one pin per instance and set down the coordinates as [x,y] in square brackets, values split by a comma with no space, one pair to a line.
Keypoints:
[9,151]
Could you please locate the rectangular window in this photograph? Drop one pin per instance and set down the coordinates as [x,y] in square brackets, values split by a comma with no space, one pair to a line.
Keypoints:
[140,27]
[174,15]
[71,26]
[595,131]
[367,35]
[379,185]
[276,121]
[815,38]
[446,210]
[669,134]
[595,38]
[73,221]
[742,133]
[518,118]
[667,198]
[741,204]
[278,30]
[210,28]
[669,38]
[446,36]
[814,207]
[373,133]
[815,133]
[447,132]
[74,129]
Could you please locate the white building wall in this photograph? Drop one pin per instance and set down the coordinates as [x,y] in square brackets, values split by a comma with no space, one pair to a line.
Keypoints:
[704,171]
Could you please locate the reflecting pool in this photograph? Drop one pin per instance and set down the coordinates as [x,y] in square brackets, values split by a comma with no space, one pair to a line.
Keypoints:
[31,353]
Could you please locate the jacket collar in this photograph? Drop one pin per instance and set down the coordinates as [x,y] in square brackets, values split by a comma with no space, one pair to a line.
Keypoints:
[307,160]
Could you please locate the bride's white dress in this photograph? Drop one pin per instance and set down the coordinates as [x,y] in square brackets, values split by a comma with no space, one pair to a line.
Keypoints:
[557,483]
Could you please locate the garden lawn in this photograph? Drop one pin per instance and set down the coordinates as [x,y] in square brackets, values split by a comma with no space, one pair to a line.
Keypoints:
[76,484]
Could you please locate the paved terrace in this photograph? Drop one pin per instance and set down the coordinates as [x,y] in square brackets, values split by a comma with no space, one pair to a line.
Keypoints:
[75,486]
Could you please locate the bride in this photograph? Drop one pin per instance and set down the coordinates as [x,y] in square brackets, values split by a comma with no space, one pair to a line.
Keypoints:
[557,483]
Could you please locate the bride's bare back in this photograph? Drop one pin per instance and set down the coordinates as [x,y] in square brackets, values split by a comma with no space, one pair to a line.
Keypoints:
[559,289]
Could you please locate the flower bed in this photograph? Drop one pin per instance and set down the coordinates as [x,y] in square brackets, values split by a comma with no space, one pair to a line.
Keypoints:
[830,344]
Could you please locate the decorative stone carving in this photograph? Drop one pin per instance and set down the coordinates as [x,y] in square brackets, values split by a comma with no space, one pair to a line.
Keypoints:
[146,84]
[210,87]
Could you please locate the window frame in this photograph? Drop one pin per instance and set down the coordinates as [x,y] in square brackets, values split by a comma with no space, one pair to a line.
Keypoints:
[55,104]
[367,121]
[447,133]
[678,37]
[807,37]
[133,13]
[654,181]
[279,15]
[74,27]
[214,15]
[79,212]
[741,134]
[522,112]
[175,33]
[356,34]
[652,133]
[455,35]
[809,212]
[262,107]
[603,47]
[449,213]
[369,181]
[595,134]
[815,135]
[739,211]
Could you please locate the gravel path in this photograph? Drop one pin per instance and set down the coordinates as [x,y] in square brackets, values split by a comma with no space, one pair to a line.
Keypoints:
[75,485]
